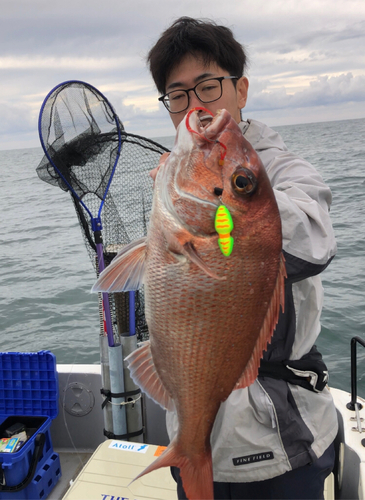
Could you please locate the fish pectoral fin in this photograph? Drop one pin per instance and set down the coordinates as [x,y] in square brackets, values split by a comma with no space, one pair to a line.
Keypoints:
[144,374]
[126,270]
[192,254]
[250,373]
[180,243]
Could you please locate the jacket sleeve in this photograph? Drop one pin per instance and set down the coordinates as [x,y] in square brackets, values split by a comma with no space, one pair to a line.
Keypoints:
[304,201]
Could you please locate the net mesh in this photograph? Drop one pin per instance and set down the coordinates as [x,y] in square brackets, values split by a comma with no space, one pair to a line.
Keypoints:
[78,128]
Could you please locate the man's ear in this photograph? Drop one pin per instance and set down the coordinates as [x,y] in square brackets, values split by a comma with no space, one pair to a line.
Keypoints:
[242,90]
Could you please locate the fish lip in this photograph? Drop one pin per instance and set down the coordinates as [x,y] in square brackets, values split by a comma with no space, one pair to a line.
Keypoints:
[207,125]
[203,121]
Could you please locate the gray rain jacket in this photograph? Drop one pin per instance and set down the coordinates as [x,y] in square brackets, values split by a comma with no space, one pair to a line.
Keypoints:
[273,426]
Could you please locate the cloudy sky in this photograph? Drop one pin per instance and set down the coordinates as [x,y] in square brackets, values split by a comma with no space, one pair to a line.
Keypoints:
[307,58]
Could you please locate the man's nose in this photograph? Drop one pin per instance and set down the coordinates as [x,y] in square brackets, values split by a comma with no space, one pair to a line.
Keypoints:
[193,100]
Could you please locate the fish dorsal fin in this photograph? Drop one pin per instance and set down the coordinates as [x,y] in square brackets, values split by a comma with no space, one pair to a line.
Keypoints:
[126,270]
[252,368]
[144,374]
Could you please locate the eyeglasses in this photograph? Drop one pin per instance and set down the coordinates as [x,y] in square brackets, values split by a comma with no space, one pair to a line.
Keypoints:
[206,91]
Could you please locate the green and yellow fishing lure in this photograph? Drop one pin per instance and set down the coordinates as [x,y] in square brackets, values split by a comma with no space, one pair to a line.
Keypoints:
[223,224]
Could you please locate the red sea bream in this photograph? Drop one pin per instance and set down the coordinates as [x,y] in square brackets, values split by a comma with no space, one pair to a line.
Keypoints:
[210,315]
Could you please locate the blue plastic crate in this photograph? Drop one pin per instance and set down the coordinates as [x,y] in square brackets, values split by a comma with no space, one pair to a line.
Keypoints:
[46,478]
[29,395]
[28,384]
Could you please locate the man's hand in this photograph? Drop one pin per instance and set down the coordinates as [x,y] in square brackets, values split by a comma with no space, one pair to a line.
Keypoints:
[154,171]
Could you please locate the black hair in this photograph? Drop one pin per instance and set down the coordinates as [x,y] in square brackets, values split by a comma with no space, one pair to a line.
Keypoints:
[201,38]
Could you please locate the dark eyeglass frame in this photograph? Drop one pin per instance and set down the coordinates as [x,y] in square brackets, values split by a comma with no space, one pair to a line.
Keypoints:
[219,79]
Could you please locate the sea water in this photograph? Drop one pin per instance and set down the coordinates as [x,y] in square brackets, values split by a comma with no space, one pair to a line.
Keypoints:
[46,274]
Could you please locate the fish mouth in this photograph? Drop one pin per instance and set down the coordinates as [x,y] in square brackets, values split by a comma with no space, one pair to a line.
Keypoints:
[198,120]
[207,126]
[204,124]
[203,121]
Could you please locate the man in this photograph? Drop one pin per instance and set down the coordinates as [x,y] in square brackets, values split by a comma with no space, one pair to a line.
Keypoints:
[273,439]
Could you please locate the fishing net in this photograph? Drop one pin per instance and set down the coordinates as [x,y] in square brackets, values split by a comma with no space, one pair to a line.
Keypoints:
[80,134]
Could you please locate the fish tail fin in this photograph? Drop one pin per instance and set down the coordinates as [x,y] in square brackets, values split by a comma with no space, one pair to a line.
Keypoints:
[196,476]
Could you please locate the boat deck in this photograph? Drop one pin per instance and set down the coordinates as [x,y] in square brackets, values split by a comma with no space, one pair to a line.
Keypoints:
[71,465]
[78,439]
[109,471]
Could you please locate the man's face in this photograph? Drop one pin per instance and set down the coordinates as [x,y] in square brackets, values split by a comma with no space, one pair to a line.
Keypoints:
[191,71]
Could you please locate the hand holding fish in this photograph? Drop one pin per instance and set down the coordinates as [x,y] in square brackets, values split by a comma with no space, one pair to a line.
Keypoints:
[154,171]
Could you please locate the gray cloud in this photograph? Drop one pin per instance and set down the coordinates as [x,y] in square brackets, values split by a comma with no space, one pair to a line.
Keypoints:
[322,91]
[303,55]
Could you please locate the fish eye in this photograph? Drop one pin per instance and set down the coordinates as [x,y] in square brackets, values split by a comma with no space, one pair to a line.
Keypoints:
[244,181]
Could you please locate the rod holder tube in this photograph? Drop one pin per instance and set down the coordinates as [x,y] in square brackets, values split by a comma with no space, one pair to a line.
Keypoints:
[105,378]
[117,387]
[134,412]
